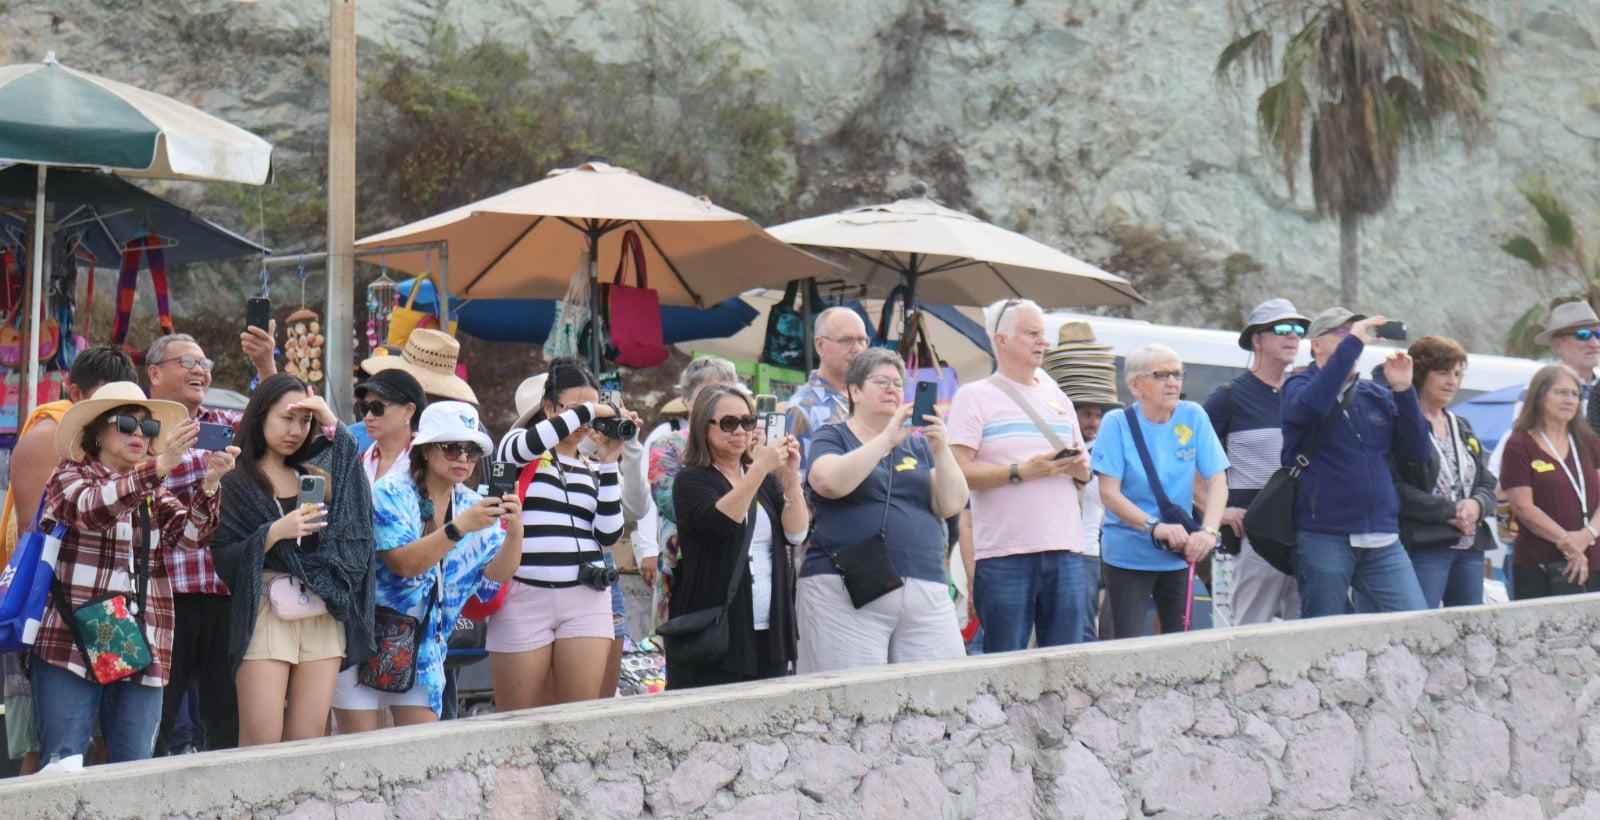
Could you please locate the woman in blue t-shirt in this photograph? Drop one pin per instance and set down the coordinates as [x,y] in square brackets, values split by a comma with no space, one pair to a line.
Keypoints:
[868,474]
[1145,557]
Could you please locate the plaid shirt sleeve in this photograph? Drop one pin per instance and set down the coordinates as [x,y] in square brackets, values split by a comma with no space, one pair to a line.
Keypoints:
[192,570]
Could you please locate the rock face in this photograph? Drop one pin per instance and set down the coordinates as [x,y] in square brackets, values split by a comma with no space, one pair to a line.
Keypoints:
[1070,120]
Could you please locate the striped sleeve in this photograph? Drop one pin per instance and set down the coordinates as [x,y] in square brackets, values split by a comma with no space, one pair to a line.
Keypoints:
[608,505]
[524,444]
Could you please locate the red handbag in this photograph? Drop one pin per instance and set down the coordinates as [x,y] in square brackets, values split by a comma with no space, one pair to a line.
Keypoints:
[634,313]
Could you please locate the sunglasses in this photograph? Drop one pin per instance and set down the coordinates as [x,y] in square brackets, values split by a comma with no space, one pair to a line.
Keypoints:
[374,407]
[1288,329]
[1583,334]
[455,450]
[127,425]
[732,423]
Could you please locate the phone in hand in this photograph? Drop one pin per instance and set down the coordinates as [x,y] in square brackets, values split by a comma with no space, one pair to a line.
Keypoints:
[502,478]
[927,395]
[609,397]
[766,403]
[214,436]
[1394,330]
[313,490]
[258,311]
[775,425]
[1067,452]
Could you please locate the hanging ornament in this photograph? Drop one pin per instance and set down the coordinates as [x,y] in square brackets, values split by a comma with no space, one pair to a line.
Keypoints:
[302,342]
[381,296]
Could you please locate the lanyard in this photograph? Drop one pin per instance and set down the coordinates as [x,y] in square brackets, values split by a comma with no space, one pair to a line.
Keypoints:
[1578,482]
[1458,469]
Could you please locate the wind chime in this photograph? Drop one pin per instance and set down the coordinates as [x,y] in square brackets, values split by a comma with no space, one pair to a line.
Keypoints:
[302,344]
[381,297]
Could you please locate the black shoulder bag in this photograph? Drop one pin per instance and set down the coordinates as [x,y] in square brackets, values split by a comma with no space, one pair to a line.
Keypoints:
[1269,520]
[866,566]
[700,638]
[1170,513]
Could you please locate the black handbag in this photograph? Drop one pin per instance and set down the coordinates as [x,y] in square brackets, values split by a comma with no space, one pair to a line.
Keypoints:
[700,638]
[1269,520]
[866,566]
[1428,534]
[393,667]
[1170,513]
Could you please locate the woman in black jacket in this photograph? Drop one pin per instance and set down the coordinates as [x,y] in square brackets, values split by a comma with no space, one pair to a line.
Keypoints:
[722,476]
[1444,501]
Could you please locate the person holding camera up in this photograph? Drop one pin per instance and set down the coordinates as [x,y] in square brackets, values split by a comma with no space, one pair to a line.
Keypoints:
[740,510]
[556,618]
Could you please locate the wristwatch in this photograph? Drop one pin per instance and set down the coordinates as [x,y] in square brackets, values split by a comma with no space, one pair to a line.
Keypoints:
[451,532]
[1151,523]
[1016,477]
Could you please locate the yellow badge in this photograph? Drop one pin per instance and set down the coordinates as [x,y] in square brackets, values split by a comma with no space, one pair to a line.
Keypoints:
[1474,447]
[1542,466]
[1184,433]
[907,463]
[1056,406]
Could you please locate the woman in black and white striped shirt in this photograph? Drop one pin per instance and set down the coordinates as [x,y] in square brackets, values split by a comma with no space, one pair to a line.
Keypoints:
[556,618]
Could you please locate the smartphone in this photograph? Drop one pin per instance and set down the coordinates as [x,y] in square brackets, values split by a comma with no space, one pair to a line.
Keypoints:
[927,396]
[502,478]
[609,397]
[258,311]
[1067,452]
[1394,330]
[776,426]
[766,403]
[313,490]
[214,436]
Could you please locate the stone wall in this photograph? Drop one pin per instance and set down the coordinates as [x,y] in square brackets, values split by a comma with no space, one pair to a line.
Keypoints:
[1472,713]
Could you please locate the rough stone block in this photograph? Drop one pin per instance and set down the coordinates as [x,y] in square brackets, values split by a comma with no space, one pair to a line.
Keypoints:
[1500,806]
[1319,763]
[918,730]
[1097,731]
[1247,676]
[1587,810]
[1588,697]
[613,798]
[1389,766]
[958,777]
[1114,696]
[1520,653]
[1268,738]
[778,806]
[1003,791]
[1079,699]
[985,711]
[1207,782]
[1165,717]
[620,760]
[1042,720]
[314,809]
[448,794]
[826,771]
[1213,718]
[764,761]
[1447,677]
[521,791]
[1399,677]
[1473,747]
[361,810]
[1348,666]
[1480,652]
[909,788]
[1544,733]
[872,739]
[705,770]
[1085,787]
[1296,700]
[572,775]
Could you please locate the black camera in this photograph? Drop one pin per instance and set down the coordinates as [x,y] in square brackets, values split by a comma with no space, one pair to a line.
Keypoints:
[600,578]
[617,427]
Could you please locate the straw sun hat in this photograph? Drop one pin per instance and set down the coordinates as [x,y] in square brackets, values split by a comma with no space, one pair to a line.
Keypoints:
[69,435]
[1085,369]
[429,355]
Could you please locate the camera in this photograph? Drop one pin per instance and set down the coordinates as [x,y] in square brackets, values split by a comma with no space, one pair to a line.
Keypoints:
[593,577]
[617,427]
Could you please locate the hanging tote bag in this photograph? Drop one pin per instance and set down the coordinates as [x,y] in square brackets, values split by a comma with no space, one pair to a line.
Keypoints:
[25,586]
[788,334]
[634,313]
[405,318]
[13,336]
[571,319]
[150,247]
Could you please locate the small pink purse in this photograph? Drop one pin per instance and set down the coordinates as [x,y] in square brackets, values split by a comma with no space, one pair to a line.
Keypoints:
[292,600]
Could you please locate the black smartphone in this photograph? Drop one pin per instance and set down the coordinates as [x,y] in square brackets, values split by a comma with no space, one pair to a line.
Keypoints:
[766,403]
[502,478]
[1067,452]
[214,436]
[926,397]
[1394,330]
[258,311]
[313,490]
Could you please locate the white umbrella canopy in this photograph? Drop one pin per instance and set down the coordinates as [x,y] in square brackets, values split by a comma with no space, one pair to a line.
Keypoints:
[950,257]
[526,242]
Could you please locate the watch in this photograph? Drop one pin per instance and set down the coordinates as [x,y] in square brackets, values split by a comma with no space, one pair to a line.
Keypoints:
[1151,523]
[451,532]
[1016,477]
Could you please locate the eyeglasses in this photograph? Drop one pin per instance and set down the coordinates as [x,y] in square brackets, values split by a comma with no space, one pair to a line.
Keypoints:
[1288,329]
[888,384]
[373,407]
[1566,393]
[127,425]
[1165,375]
[848,341]
[189,362]
[732,423]
[1583,334]
[455,450]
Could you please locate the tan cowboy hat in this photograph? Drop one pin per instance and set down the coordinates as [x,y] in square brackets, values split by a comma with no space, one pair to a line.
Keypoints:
[676,407]
[429,355]
[1567,316]
[1084,369]
[530,396]
[111,395]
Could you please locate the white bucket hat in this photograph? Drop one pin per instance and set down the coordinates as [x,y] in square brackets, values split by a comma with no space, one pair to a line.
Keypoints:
[444,421]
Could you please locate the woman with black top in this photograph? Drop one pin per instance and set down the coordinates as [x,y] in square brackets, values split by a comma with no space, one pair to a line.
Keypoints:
[722,474]
[556,618]
[281,647]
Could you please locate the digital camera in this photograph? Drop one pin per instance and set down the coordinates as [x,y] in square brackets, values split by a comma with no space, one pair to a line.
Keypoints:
[600,578]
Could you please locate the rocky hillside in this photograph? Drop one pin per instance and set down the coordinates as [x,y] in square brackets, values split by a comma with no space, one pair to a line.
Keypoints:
[1094,125]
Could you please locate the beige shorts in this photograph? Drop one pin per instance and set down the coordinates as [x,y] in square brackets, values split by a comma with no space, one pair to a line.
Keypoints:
[317,638]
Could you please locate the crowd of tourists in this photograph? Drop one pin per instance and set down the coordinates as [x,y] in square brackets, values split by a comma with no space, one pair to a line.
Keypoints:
[300,575]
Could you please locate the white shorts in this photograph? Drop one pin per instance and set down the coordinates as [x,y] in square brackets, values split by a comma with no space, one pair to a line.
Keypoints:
[916,622]
[348,693]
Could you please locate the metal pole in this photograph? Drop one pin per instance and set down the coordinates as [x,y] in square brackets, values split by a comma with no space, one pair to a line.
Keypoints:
[341,204]
[30,390]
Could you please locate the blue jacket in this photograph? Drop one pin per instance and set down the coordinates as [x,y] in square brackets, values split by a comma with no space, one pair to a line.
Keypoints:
[1348,488]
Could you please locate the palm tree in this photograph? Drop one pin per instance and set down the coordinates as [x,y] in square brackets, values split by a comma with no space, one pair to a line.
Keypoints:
[1355,82]
[1560,255]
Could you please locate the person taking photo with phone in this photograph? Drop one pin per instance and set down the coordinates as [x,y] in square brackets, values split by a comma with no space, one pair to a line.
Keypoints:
[295,546]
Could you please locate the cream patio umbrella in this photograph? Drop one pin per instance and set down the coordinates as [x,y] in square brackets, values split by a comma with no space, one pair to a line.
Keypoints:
[527,242]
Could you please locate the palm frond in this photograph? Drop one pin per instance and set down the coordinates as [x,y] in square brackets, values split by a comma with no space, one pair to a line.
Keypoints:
[1559,230]
[1229,59]
[1525,249]
[1519,339]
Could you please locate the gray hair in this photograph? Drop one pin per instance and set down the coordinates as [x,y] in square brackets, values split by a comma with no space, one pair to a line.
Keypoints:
[1139,360]
[704,371]
[1000,317]
[864,363]
[158,349]
[819,325]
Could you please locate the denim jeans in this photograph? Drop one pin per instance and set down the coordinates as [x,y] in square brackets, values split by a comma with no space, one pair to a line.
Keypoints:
[1328,569]
[1037,592]
[1451,576]
[1091,598]
[67,707]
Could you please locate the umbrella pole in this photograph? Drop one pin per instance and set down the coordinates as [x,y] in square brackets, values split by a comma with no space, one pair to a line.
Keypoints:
[594,302]
[30,390]
[808,310]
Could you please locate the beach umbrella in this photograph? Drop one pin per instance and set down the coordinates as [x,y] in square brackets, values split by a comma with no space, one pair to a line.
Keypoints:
[51,115]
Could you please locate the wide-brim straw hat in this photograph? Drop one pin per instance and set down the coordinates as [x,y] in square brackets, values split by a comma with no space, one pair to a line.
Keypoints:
[111,395]
[1084,369]
[429,355]
[676,407]
[529,398]
[1077,337]
[1564,317]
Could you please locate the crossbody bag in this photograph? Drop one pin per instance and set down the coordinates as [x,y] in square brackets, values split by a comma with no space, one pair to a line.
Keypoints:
[109,629]
[701,638]
[1170,513]
[866,566]
[1269,520]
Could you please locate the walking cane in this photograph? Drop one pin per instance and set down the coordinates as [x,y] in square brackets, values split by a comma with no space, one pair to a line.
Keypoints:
[1188,600]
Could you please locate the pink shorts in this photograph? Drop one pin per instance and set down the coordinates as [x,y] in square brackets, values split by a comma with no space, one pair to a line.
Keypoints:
[533,617]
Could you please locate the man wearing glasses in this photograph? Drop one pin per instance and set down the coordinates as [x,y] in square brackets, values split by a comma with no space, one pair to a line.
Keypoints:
[1244,412]
[1346,516]
[1573,334]
[179,371]
[839,334]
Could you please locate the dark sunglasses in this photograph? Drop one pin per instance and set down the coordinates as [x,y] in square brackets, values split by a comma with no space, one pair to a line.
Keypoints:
[454,450]
[732,423]
[126,425]
[375,407]
[1584,334]
[1288,329]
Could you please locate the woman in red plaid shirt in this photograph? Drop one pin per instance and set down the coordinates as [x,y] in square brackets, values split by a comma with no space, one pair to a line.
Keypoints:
[117,448]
